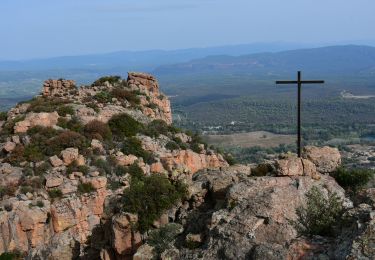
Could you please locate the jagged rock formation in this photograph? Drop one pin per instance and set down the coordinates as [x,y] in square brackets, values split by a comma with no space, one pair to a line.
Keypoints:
[58,180]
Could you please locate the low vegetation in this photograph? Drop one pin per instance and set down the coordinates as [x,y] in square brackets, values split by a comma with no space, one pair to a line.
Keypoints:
[320,215]
[123,125]
[97,130]
[161,239]
[353,179]
[151,202]
[133,146]
[109,79]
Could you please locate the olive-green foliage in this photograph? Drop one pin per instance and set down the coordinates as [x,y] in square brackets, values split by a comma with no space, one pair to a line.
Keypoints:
[172,146]
[353,179]
[103,97]
[77,168]
[3,116]
[195,143]
[65,140]
[159,127]
[11,256]
[9,190]
[161,239]
[133,146]
[120,170]
[65,110]
[149,197]
[230,159]
[97,130]
[179,142]
[320,214]
[123,125]
[103,166]
[55,193]
[42,169]
[75,125]
[85,188]
[110,79]
[93,106]
[42,104]
[123,94]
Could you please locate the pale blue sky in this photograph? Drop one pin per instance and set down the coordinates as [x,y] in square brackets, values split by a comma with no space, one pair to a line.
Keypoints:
[45,28]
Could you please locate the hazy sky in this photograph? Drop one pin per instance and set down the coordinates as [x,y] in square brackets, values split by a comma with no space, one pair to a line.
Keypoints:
[44,28]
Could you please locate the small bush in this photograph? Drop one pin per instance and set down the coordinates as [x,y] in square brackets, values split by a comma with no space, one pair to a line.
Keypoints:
[123,94]
[230,159]
[75,125]
[65,110]
[353,179]
[11,256]
[97,130]
[42,104]
[133,146]
[179,142]
[77,168]
[40,204]
[103,97]
[110,79]
[42,169]
[103,166]
[320,214]
[93,106]
[85,188]
[150,197]
[123,125]
[159,127]
[135,171]
[3,116]
[65,140]
[172,146]
[55,194]
[161,239]
[7,190]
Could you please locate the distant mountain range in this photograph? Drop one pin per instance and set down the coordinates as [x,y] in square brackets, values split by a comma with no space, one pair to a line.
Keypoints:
[140,60]
[333,60]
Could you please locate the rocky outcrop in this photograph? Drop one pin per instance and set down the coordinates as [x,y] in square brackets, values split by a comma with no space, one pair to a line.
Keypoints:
[58,88]
[326,159]
[36,119]
[147,84]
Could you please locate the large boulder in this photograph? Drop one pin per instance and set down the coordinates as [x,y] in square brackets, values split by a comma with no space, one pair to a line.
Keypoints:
[326,159]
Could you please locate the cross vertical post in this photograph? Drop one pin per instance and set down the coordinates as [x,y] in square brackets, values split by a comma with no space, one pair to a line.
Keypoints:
[299,83]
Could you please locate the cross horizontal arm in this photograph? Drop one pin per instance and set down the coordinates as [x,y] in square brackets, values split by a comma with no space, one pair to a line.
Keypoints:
[286,82]
[312,81]
[302,82]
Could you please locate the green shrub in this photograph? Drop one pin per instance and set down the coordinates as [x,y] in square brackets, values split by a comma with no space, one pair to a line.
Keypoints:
[97,130]
[85,188]
[179,142]
[196,147]
[55,194]
[120,170]
[9,190]
[103,97]
[230,159]
[172,146]
[11,256]
[161,239]
[75,125]
[103,166]
[135,171]
[33,153]
[159,127]
[353,179]
[43,104]
[320,214]
[93,106]
[17,155]
[42,169]
[65,140]
[133,146]
[3,116]
[40,204]
[123,125]
[65,110]
[77,168]
[150,197]
[26,189]
[123,94]
[110,79]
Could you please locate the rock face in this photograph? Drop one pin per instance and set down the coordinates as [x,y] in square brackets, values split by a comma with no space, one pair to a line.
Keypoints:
[149,85]
[36,119]
[57,88]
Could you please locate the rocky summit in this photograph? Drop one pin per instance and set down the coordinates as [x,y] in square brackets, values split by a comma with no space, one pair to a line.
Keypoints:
[100,172]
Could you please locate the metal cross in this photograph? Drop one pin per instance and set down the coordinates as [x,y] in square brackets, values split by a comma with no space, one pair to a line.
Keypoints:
[299,82]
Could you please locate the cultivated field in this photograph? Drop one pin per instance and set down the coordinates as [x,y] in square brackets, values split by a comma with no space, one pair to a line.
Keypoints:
[251,139]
